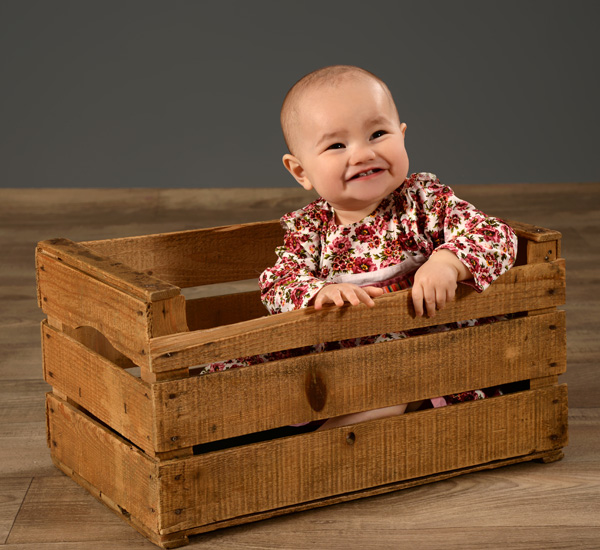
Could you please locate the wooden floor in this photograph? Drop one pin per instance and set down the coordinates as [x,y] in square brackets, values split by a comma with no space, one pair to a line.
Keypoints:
[528,506]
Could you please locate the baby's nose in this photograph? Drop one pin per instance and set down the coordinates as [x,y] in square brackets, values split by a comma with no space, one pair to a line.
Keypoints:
[362,153]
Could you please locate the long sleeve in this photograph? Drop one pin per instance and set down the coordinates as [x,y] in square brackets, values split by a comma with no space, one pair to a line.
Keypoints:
[295,279]
[485,245]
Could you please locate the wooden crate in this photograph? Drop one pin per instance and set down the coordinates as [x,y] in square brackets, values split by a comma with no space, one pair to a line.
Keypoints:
[169,451]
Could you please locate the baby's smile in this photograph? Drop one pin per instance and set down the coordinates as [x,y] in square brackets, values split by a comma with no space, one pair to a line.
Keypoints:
[367,173]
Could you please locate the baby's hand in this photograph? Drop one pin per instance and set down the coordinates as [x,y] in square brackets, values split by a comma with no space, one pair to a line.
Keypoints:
[436,281]
[341,292]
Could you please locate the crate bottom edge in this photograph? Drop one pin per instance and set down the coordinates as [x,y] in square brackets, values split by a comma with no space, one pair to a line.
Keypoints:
[180,538]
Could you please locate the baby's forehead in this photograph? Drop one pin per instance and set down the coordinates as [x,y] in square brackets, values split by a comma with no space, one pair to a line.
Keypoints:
[338,86]
[333,94]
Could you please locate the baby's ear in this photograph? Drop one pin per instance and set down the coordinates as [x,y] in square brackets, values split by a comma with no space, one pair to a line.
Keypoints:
[294,167]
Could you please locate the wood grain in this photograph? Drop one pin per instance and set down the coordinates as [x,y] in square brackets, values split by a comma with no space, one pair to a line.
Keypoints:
[114,467]
[12,494]
[228,404]
[523,288]
[114,273]
[77,299]
[198,491]
[188,258]
[105,390]
[214,311]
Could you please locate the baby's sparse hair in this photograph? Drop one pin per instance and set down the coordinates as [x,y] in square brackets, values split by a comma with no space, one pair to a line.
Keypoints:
[326,76]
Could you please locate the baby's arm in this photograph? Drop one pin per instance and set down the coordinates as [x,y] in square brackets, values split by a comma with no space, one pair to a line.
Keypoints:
[436,281]
[346,292]
[483,245]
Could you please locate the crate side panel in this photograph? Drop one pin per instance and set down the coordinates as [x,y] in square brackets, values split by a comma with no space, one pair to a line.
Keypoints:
[116,469]
[524,288]
[232,403]
[265,476]
[104,389]
[76,299]
[544,456]
[214,311]
[117,274]
[190,258]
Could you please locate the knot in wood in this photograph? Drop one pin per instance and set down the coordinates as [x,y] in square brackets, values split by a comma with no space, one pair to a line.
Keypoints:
[316,390]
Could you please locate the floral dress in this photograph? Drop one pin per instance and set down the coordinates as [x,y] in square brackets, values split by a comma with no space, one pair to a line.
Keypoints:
[383,249]
[418,218]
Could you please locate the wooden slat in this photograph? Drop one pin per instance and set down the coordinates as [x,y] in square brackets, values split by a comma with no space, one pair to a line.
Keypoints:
[224,484]
[167,316]
[114,467]
[198,257]
[543,381]
[228,404]
[77,299]
[523,288]
[367,541]
[541,252]
[108,270]
[106,390]
[534,233]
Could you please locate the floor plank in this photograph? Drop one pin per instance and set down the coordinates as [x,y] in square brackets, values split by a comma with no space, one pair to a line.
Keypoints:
[12,494]
[58,510]
[22,401]
[141,544]
[374,538]
[23,451]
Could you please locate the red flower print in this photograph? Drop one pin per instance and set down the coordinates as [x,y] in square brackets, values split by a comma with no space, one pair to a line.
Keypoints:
[341,245]
[297,296]
[365,233]
[294,245]
[362,265]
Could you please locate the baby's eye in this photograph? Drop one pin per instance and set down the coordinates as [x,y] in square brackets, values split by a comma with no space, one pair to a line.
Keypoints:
[378,134]
[336,146]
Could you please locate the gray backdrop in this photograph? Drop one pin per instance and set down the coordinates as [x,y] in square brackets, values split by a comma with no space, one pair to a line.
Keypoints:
[182,93]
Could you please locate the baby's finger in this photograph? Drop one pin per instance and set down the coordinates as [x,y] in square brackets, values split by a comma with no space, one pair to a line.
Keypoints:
[325,296]
[450,295]
[417,298]
[350,296]
[441,299]
[430,302]
[364,297]
[445,297]
[337,298]
[373,291]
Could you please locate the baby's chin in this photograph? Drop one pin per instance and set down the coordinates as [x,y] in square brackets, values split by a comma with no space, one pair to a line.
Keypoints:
[369,191]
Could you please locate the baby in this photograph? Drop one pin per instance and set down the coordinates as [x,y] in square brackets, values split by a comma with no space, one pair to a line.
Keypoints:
[372,227]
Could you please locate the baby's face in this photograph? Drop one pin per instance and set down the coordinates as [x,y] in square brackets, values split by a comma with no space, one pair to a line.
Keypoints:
[350,146]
